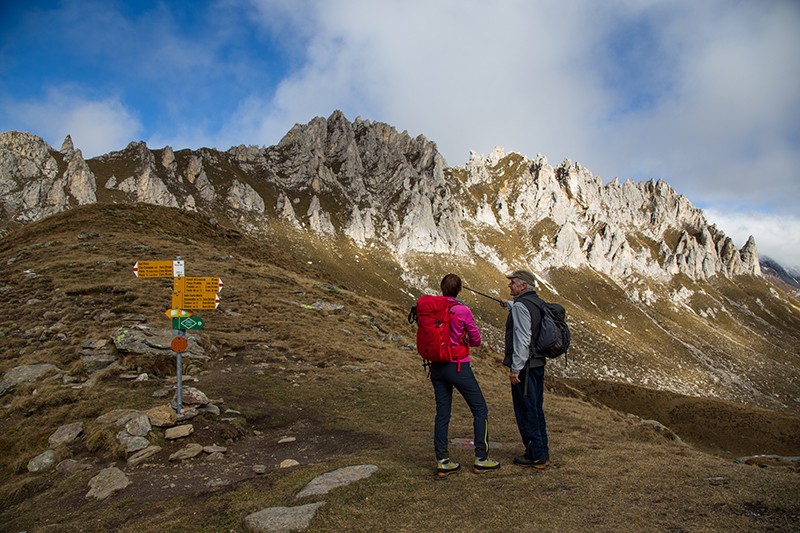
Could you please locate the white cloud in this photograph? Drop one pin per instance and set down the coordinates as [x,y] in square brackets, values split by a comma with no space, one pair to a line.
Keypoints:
[96,126]
[776,236]
[704,95]
[709,105]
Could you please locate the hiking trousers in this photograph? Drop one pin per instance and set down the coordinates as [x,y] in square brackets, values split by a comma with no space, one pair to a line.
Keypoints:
[530,413]
[445,377]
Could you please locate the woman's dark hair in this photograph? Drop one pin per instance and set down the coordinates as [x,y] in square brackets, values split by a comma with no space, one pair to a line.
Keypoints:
[451,285]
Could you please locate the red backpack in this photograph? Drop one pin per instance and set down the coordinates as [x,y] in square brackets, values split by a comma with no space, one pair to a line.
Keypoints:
[433,332]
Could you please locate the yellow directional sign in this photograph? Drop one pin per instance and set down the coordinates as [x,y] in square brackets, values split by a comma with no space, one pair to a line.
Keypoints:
[205,300]
[196,285]
[158,269]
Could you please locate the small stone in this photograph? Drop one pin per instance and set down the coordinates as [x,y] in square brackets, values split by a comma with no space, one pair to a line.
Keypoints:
[162,416]
[179,432]
[43,461]
[260,469]
[139,425]
[107,482]
[281,518]
[325,483]
[65,434]
[143,455]
[187,413]
[192,396]
[288,463]
[132,443]
[71,466]
[190,451]
[215,449]
[285,440]
[210,408]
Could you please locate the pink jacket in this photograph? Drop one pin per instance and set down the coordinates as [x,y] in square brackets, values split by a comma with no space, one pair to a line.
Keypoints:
[461,321]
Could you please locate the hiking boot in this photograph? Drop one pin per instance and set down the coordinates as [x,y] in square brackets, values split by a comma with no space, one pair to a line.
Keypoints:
[482,465]
[445,467]
[523,460]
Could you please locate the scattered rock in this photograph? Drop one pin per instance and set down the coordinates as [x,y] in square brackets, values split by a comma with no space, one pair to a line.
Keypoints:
[210,408]
[139,425]
[162,416]
[288,463]
[281,518]
[192,396]
[187,414]
[71,466]
[190,451]
[43,461]
[132,443]
[143,455]
[215,449]
[179,432]
[338,478]
[260,469]
[93,363]
[107,482]
[65,434]
[285,440]
[25,374]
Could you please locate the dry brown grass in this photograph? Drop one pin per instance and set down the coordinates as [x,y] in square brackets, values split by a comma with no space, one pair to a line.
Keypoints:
[349,388]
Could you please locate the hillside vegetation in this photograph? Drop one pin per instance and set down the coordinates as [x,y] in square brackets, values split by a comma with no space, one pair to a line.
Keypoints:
[310,341]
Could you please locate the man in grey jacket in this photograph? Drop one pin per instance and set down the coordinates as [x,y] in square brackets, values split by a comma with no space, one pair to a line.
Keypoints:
[522,331]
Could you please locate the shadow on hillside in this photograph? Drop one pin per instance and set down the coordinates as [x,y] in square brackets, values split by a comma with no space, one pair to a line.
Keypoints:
[715,426]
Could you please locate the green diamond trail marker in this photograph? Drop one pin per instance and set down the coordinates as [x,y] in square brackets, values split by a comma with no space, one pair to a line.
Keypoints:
[192,322]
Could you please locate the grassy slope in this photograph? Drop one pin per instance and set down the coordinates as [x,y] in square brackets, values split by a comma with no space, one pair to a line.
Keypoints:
[348,386]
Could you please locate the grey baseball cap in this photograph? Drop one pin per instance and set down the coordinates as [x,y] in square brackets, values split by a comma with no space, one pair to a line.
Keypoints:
[523,275]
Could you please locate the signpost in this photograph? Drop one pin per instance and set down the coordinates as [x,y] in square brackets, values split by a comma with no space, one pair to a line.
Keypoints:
[187,293]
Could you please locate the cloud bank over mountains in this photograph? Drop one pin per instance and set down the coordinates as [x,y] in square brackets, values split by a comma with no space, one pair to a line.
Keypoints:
[703,95]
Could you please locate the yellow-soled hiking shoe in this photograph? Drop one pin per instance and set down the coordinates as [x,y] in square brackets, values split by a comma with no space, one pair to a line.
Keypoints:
[446,467]
[483,465]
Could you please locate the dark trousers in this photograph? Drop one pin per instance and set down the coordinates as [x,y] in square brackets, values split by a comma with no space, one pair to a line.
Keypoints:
[529,412]
[445,377]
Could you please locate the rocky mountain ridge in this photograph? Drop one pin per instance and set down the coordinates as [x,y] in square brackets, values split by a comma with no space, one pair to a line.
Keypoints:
[379,187]
[656,296]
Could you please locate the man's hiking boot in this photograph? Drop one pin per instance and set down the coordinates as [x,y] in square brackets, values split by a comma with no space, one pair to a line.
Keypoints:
[482,465]
[446,466]
[523,460]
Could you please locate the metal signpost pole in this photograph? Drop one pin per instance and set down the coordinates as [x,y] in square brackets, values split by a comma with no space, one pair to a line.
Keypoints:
[179,381]
[178,358]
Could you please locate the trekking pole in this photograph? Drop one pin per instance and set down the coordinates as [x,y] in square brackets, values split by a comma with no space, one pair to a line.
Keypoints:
[485,295]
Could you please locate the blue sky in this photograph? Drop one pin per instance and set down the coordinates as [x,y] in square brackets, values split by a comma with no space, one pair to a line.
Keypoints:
[703,94]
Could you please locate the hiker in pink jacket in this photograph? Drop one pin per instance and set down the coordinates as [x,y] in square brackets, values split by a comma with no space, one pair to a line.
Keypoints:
[458,374]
